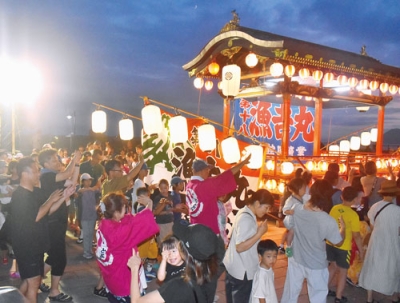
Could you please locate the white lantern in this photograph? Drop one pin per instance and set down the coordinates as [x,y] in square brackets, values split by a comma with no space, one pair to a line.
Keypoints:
[256,159]
[270,184]
[384,87]
[393,89]
[126,129]
[362,109]
[323,165]
[317,75]
[207,138]
[373,85]
[209,85]
[281,187]
[178,129]
[344,146]
[374,134]
[328,77]
[151,119]
[289,70]
[310,165]
[251,60]
[365,138]
[334,149]
[353,81]
[342,79]
[342,168]
[287,168]
[270,165]
[198,82]
[230,150]
[99,121]
[364,84]
[355,142]
[230,80]
[276,69]
[304,73]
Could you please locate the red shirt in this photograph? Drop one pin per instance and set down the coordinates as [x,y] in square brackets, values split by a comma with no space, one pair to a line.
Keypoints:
[202,197]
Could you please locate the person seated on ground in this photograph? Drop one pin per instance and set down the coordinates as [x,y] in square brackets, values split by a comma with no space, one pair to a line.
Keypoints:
[201,264]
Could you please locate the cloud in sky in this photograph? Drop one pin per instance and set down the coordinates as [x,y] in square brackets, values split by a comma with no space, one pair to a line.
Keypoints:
[113,52]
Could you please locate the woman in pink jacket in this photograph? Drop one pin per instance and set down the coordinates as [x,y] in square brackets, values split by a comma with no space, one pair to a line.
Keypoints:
[118,233]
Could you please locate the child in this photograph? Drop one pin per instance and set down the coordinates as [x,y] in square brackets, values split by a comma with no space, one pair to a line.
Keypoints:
[297,188]
[172,264]
[263,290]
[178,185]
[89,213]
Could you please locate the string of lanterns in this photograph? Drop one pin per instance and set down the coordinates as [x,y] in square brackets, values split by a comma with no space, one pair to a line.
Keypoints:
[277,70]
[178,130]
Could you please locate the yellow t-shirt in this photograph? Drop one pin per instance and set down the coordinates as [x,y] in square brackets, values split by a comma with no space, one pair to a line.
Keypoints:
[350,218]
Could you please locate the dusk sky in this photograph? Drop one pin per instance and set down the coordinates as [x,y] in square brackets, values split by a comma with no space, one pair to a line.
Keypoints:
[113,52]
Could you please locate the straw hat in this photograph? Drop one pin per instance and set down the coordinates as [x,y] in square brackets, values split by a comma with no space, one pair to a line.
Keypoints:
[389,187]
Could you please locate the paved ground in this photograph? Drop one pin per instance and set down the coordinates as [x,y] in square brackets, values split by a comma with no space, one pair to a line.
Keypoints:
[81,276]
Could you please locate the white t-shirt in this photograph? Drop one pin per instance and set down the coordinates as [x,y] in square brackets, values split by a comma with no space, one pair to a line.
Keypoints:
[263,286]
[246,262]
[138,184]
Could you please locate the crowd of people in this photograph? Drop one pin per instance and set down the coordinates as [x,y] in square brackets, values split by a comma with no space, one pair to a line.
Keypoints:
[336,229]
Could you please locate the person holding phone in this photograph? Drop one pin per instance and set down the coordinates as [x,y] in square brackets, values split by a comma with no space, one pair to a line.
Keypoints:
[162,210]
[241,258]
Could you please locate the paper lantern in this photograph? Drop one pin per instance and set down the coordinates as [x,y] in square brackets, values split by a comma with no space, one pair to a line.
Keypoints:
[198,82]
[270,184]
[393,89]
[364,84]
[213,68]
[308,98]
[334,149]
[384,87]
[151,119]
[208,85]
[230,150]
[304,73]
[374,134]
[342,168]
[281,187]
[365,138]
[310,165]
[207,138]
[220,85]
[99,121]
[230,80]
[353,81]
[317,75]
[393,162]
[287,168]
[355,143]
[289,70]
[344,146]
[125,129]
[373,85]
[178,129]
[276,69]
[379,164]
[270,165]
[251,60]
[261,184]
[323,165]
[256,159]
[329,77]
[362,109]
[342,80]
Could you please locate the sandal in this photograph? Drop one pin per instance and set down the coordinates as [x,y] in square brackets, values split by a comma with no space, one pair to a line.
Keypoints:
[44,288]
[61,297]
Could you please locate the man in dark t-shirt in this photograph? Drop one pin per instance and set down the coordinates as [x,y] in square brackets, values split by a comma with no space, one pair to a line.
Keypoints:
[53,178]
[29,208]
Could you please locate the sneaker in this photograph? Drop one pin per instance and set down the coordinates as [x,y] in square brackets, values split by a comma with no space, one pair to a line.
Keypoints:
[87,256]
[289,251]
[15,275]
[216,298]
[102,292]
[281,249]
[342,300]
[44,288]
[331,293]
[148,280]
[150,274]
[79,241]
[349,281]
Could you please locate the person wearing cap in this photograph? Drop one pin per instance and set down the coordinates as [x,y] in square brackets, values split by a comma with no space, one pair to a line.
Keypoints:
[89,213]
[178,185]
[381,268]
[52,177]
[200,243]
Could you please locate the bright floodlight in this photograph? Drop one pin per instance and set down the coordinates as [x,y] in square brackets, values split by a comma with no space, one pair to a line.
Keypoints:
[20,82]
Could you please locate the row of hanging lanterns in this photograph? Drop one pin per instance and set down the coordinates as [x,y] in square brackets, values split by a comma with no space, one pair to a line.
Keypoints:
[178,126]
[354,143]
[272,185]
